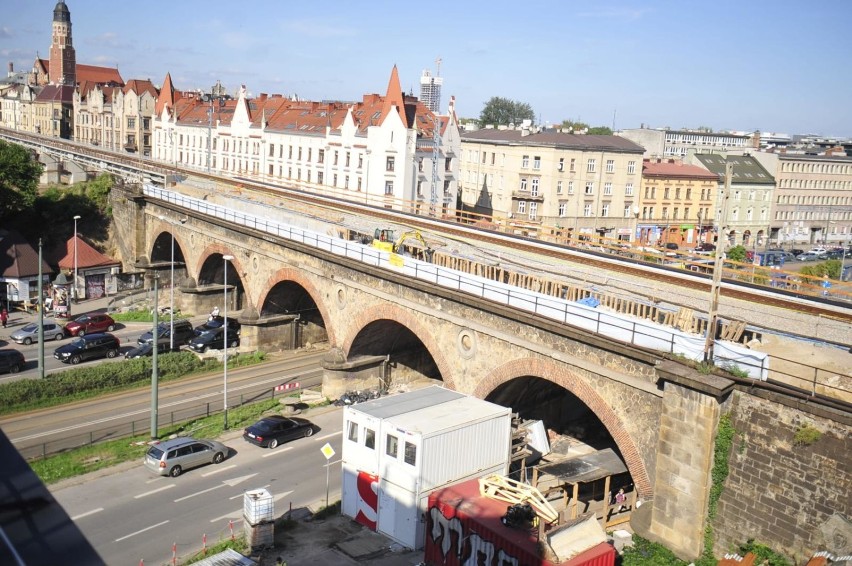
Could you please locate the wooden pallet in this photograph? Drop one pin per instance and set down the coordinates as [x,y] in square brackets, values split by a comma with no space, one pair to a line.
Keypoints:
[514,492]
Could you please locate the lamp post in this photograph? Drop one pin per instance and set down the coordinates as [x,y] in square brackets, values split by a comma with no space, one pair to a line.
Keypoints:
[226,259]
[76,218]
[155,335]
[635,211]
[172,292]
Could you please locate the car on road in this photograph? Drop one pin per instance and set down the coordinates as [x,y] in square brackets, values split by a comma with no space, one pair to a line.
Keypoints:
[807,256]
[797,251]
[217,322]
[215,340]
[183,333]
[271,431]
[173,457]
[670,246]
[11,361]
[89,323]
[88,347]
[29,333]
[704,248]
[147,349]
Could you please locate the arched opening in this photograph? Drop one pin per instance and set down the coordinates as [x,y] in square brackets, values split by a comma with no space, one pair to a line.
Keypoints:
[408,359]
[212,274]
[289,298]
[161,253]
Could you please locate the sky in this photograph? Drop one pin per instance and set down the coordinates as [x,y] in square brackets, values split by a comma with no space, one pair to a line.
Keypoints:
[776,66]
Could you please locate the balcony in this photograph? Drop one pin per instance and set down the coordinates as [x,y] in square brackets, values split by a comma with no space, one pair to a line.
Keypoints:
[528,196]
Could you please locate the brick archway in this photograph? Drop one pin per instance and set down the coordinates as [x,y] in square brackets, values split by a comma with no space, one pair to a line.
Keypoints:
[570,381]
[403,317]
[296,276]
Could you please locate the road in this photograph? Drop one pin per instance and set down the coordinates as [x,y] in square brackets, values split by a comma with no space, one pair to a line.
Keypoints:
[53,429]
[133,515]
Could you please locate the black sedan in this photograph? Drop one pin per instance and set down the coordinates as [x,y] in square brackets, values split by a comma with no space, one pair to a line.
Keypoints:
[273,430]
[217,322]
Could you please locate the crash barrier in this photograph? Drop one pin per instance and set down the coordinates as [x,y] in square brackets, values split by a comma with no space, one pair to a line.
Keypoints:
[644,333]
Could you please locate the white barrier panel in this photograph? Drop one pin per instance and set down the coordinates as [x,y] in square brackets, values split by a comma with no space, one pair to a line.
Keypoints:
[640,332]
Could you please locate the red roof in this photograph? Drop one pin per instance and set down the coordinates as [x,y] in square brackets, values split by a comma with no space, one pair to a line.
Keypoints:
[90,73]
[87,256]
[140,86]
[676,169]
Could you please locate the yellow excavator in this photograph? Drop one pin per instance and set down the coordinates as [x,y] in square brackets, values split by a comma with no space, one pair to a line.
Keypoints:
[383,240]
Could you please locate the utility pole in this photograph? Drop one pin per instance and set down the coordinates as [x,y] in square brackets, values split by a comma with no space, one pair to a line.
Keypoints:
[721,244]
[436,142]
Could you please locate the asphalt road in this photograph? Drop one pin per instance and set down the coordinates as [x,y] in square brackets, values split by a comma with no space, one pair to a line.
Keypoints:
[133,515]
[66,426]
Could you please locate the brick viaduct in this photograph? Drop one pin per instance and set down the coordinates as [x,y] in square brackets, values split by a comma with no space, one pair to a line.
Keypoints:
[662,416]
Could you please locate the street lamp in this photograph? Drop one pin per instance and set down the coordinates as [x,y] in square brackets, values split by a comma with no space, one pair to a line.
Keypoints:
[226,259]
[172,290]
[76,218]
[635,210]
[155,335]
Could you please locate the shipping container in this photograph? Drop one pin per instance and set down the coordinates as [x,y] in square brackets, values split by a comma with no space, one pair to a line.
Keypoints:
[398,449]
[464,527]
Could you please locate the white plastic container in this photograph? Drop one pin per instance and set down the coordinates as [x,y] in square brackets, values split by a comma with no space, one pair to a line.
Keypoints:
[258,506]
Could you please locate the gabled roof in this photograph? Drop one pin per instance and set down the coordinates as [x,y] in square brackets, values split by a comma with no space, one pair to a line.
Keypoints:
[18,259]
[56,93]
[140,86]
[676,169]
[168,96]
[87,256]
[746,169]
[554,139]
[90,73]
[394,97]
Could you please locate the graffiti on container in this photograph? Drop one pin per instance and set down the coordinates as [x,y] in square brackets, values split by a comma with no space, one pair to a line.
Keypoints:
[368,499]
[470,548]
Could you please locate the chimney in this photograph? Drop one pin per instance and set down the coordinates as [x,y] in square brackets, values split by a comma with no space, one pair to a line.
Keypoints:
[11,68]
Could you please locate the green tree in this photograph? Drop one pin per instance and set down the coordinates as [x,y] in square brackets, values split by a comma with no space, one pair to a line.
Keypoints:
[575,126]
[736,253]
[600,131]
[19,174]
[501,111]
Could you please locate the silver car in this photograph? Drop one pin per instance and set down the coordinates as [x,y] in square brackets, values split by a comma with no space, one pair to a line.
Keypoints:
[172,457]
[29,333]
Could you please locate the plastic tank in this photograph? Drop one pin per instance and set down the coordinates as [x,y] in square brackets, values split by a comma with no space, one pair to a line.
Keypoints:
[258,506]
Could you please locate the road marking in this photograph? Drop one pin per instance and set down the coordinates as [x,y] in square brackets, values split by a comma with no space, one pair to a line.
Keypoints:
[234,481]
[142,531]
[179,499]
[329,435]
[275,451]
[243,494]
[87,513]
[228,516]
[217,470]
[281,495]
[153,491]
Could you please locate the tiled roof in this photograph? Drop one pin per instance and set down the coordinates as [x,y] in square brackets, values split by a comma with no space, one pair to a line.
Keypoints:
[90,73]
[554,139]
[168,96]
[56,93]
[18,258]
[677,169]
[140,86]
[745,169]
[87,256]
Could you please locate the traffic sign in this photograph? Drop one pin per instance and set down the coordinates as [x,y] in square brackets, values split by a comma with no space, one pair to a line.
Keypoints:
[327,451]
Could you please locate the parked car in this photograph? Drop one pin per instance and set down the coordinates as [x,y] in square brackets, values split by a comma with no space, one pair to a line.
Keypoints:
[807,256]
[88,323]
[273,430]
[183,333]
[29,333]
[670,246]
[11,361]
[834,254]
[704,248]
[217,322]
[818,250]
[147,349]
[172,457]
[797,251]
[215,339]
[88,347]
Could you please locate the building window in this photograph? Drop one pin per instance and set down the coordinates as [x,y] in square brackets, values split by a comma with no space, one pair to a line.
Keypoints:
[300,153]
[666,193]
[533,210]
[390,163]
[446,187]
[352,431]
[448,164]
[420,165]
[321,156]
[749,214]
[360,160]
[336,155]
[590,188]
[608,189]
[536,162]
[289,153]
[131,122]
[605,210]
[369,438]
[348,155]
[310,151]
[587,209]
[628,190]
[392,446]
[631,167]
[561,165]
[570,187]
[562,209]
[558,187]
[272,150]
[590,166]
[524,184]
[573,164]
[627,211]
[522,207]
[334,179]
[346,182]
[525,162]
[410,456]
[688,193]
[389,187]
[320,177]
[610,166]
[534,188]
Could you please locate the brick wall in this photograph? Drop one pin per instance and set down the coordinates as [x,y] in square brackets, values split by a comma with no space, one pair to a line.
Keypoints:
[795,499]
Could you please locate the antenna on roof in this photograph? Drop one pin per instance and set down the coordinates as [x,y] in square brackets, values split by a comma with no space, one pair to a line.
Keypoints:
[438,67]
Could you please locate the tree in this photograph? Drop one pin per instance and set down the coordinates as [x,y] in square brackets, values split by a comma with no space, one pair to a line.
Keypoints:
[600,131]
[501,111]
[582,126]
[19,174]
[736,253]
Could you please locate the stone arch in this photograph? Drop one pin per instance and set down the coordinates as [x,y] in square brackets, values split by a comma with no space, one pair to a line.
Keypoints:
[387,311]
[563,377]
[295,275]
[239,268]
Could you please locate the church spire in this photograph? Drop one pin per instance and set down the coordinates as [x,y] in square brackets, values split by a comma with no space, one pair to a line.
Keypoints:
[394,97]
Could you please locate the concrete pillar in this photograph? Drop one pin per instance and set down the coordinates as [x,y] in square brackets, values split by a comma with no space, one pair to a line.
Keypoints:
[52,169]
[340,375]
[77,173]
[690,416]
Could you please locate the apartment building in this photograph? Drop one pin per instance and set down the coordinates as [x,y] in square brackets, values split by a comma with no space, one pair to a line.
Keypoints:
[115,117]
[749,202]
[680,143]
[387,146]
[677,203]
[548,180]
[812,202]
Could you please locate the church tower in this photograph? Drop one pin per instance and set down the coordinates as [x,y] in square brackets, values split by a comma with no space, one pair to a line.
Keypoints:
[63,61]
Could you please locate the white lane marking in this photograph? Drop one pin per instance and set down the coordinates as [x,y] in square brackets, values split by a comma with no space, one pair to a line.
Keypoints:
[87,513]
[142,531]
[203,491]
[217,470]
[153,491]
[281,495]
[229,516]
[329,435]
[234,481]
[274,451]
[243,494]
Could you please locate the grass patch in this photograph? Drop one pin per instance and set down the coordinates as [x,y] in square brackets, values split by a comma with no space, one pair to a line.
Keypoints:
[88,382]
[806,435]
[328,511]
[239,544]
[647,553]
[95,457]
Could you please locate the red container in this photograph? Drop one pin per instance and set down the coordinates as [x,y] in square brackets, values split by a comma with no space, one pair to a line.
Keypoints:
[460,523]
